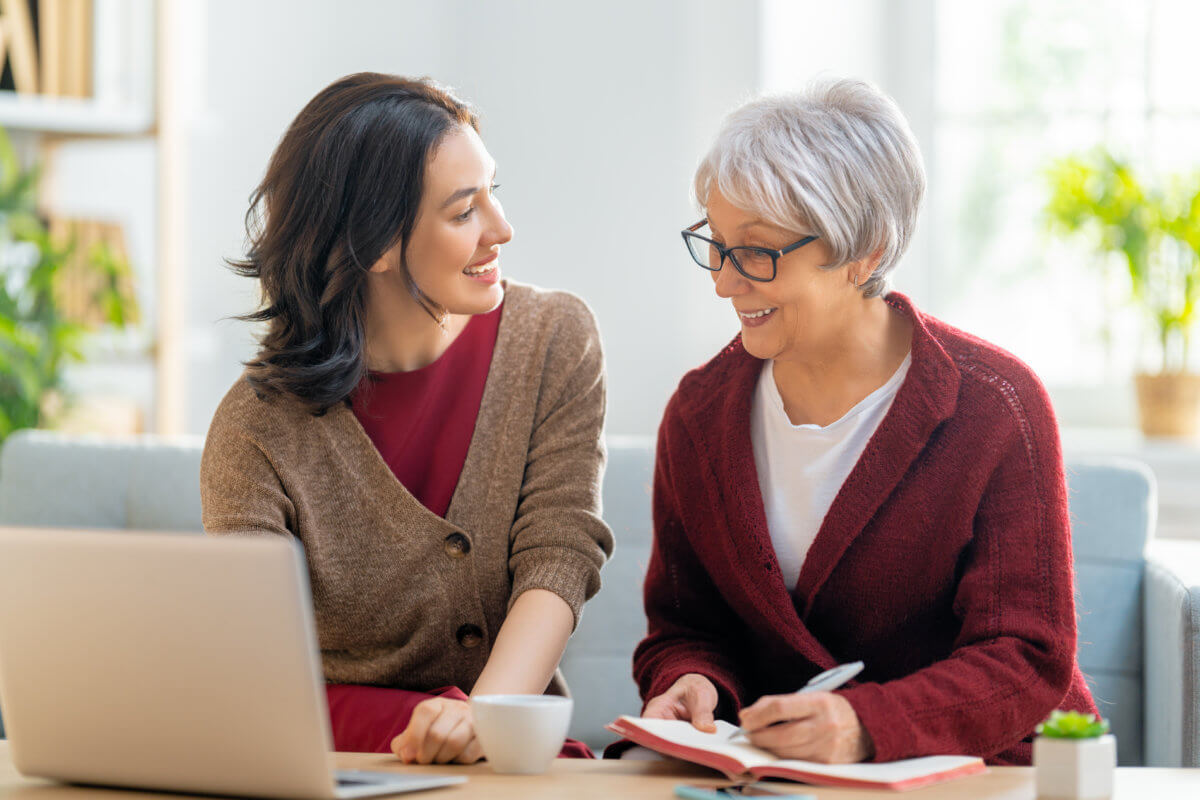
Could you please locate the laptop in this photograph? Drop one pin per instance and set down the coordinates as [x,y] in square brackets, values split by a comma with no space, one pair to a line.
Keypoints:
[170,662]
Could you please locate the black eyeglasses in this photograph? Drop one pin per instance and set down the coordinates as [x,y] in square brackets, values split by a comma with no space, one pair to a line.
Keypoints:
[755,263]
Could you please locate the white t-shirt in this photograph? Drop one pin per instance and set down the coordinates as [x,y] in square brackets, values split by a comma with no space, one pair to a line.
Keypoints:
[802,467]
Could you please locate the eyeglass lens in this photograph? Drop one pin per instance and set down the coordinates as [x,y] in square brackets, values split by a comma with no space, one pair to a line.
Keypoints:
[750,261]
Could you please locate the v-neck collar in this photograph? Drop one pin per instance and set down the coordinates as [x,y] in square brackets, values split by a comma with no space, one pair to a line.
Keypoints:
[470,493]
[718,416]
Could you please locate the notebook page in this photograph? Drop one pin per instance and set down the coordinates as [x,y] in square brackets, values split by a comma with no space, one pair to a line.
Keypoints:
[685,734]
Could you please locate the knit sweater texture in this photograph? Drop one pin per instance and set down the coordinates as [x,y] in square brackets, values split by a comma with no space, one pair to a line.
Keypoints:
[403,597]
[944,562]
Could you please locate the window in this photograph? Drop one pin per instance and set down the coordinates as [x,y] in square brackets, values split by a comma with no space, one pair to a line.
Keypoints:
[1018,83]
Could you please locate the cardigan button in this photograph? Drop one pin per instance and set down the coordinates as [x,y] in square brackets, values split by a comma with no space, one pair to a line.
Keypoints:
[470,636]
[457,545]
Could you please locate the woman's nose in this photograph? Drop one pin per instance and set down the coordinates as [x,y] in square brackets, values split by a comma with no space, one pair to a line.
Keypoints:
[499,231]
[728,282]
[504,231]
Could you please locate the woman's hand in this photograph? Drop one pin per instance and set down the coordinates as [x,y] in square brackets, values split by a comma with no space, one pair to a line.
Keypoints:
[819,726]
[692,698]
[440,731]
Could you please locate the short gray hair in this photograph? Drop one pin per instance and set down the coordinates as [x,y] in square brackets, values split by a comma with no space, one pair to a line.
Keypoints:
[837,160]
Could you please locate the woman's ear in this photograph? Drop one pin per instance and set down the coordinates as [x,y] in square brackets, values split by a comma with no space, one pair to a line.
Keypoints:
[861,271]
[388,261]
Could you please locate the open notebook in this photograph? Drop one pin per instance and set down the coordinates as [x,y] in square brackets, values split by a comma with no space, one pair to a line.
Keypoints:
[737,757]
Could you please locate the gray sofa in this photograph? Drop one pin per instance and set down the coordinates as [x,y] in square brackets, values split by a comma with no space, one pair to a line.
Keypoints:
[1139,600]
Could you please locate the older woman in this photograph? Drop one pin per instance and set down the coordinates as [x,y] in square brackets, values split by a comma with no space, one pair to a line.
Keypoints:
[851,479]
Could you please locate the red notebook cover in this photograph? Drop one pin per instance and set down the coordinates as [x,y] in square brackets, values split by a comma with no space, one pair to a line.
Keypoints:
[732,755]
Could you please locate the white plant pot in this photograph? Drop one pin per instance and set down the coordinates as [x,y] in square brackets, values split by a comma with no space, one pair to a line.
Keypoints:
[1074,768]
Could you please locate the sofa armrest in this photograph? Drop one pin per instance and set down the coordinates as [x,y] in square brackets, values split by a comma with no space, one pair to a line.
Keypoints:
[1172,653]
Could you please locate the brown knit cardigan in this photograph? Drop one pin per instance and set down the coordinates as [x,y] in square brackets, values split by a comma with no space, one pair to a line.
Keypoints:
[403,597]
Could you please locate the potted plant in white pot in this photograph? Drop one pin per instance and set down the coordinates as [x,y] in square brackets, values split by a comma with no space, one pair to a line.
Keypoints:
[1074,756]
[1153,237]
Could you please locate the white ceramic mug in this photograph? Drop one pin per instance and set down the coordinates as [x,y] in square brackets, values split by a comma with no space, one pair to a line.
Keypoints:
[521,733]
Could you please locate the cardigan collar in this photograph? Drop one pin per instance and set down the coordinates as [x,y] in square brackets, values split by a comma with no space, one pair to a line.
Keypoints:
[717,412]
[469,498]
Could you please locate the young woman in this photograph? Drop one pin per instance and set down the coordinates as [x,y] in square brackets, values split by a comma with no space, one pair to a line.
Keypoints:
[429,432]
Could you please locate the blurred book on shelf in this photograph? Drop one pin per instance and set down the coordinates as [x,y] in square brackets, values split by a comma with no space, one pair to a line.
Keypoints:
[46,47]
[19,44]
[94,288]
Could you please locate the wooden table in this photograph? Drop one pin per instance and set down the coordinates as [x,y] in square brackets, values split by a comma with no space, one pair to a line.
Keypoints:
[633,780]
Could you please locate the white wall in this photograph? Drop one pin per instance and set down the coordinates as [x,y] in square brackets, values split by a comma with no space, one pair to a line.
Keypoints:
[597,115]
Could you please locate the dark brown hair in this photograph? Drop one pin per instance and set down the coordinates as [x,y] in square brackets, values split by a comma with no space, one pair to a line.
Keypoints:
[342,187]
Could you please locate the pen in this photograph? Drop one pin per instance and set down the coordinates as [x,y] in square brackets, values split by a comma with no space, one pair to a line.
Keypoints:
[827,681]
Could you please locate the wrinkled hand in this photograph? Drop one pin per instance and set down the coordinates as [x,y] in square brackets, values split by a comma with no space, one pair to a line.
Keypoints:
[692,698]
[440,731]
[818,726]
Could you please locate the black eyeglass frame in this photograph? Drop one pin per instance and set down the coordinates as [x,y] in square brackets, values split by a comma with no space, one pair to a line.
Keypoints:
[728,252]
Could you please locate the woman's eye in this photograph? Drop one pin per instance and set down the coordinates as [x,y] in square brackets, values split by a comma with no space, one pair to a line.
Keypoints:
[466,215]
[754,255]
[494,187]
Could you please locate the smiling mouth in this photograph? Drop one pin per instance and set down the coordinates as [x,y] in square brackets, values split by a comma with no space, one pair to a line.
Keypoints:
[756,314]
[484,265]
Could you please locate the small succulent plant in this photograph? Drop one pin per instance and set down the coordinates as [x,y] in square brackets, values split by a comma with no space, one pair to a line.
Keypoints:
[1072,725]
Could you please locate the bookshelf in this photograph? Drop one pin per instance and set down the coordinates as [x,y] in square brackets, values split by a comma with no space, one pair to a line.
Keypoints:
[78,98]
[114,92]
[66,115]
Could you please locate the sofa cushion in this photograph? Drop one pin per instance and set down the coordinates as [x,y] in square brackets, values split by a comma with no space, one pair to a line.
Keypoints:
[142,483]
[1112,503]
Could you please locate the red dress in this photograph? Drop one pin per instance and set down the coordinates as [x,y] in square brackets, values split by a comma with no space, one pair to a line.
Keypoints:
[421,422]
[944,562]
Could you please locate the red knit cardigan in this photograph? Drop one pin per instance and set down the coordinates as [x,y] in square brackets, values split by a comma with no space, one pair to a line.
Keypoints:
[944,562]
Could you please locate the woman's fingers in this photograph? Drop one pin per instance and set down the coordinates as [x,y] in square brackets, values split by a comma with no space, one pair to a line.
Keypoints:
[661,707]
[821,726]
[790,739]
[775,708]
[667,706]
[440,731]
[421,742]
[471,753]
[407,746]
[692,698]
[700,705]
[455,741]
[432,734]
[399,748]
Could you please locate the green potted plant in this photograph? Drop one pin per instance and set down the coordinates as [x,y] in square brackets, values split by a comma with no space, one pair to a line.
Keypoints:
[1074,756]
[37,340]
[1153,238]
